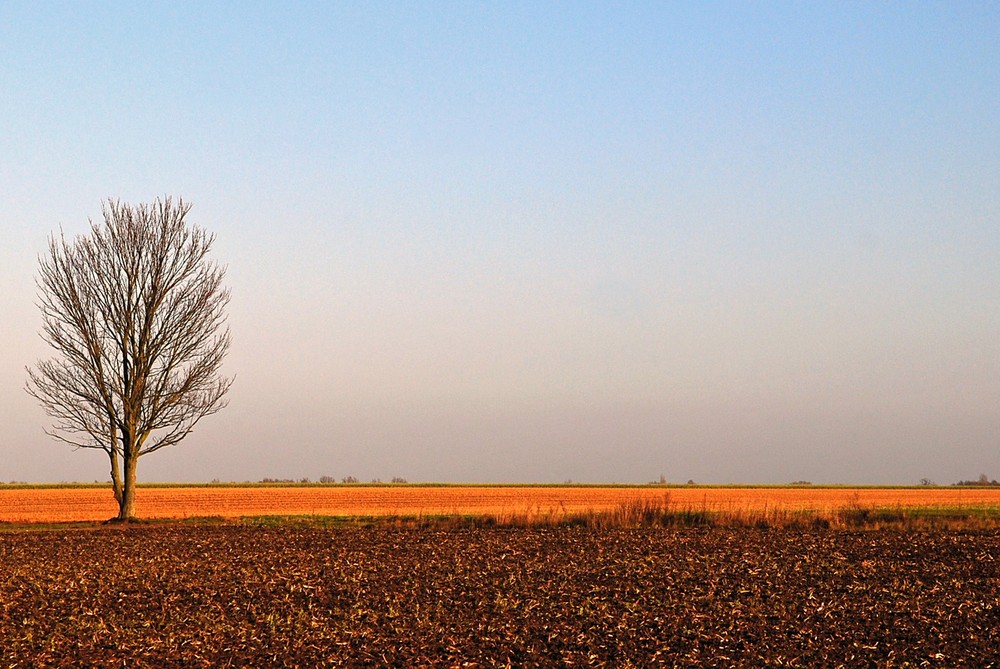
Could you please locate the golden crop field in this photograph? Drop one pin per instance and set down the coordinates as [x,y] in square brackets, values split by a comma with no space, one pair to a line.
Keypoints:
[72,504]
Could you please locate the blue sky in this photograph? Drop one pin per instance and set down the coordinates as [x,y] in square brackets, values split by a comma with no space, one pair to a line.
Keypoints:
[728,242]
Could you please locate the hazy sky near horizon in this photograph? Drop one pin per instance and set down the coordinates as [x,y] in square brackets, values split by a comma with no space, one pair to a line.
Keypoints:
[720,241]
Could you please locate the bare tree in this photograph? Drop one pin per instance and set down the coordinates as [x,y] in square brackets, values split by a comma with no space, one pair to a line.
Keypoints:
[136,314]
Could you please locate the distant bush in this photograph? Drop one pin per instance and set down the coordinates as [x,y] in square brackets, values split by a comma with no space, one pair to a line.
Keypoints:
[398,479]
[349,479]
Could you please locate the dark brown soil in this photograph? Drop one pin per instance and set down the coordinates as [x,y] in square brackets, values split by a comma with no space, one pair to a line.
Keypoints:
[297,596]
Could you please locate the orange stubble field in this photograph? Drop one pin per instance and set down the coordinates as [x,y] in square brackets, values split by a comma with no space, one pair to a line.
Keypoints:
[68,504]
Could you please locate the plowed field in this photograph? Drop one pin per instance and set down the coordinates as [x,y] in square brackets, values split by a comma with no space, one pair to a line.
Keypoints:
[64,504]
[293,596]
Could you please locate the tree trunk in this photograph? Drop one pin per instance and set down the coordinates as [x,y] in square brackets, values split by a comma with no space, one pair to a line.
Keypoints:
[116,478]
[126,507]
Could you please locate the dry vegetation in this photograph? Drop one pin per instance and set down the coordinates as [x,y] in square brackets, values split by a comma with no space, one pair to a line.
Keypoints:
[296,595]
[70,504]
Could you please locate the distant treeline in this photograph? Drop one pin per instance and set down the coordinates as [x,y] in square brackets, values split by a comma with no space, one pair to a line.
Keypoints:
[981,481]
[330,479]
